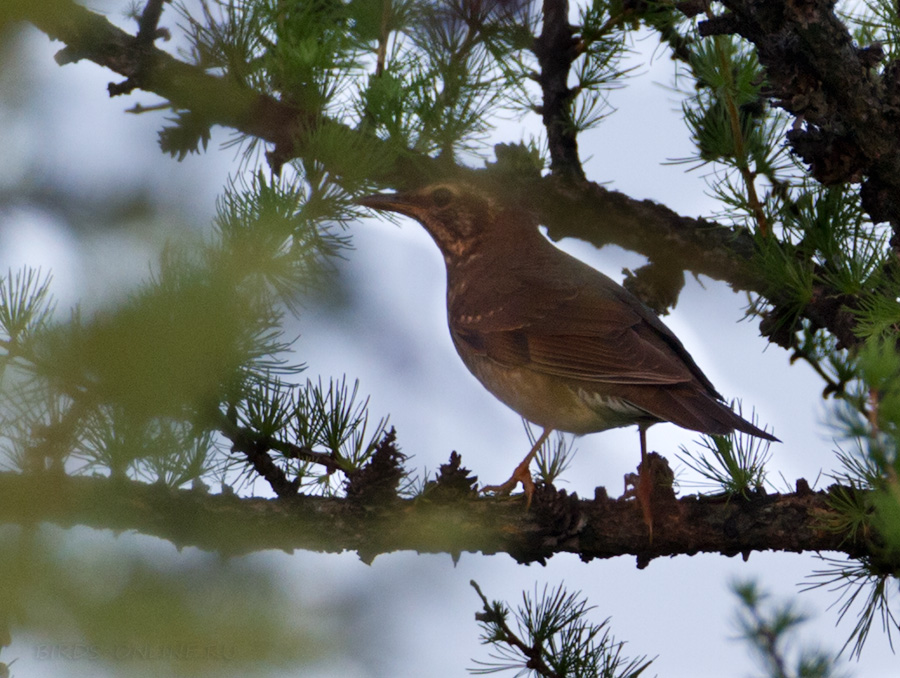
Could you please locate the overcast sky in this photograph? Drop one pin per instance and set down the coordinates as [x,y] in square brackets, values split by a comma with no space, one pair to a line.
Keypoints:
[417,614]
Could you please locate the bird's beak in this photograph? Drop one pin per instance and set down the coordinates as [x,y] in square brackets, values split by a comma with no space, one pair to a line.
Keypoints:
[391,202]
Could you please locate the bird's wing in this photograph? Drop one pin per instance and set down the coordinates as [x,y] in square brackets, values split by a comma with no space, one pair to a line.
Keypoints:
[623,357]
[583,336]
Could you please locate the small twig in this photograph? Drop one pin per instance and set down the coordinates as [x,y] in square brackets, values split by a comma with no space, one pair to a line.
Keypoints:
[257,446]
[148,24]
[304,454]
[533,653]
[142,48]
[457,63]
[244,441]
[832,386]
[384,34]
[769,641]
[874,401]
[740,151]
[266,467]
[140,108]
[615,20]
[556,49]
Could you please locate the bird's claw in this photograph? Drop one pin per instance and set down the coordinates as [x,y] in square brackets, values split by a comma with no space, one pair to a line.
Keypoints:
[520,475]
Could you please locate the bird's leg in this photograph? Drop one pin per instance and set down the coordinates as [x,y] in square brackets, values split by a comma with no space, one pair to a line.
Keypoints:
[522,474]
[644,489]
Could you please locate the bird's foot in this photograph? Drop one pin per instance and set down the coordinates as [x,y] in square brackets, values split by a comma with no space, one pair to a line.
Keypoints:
[640,487]
[520,475]
[651,486]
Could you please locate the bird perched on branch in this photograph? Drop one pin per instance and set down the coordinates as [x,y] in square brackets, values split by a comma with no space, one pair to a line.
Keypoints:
[557,341]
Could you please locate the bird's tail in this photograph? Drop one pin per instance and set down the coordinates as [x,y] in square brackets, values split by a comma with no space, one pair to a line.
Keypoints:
[693,409]
[738,423]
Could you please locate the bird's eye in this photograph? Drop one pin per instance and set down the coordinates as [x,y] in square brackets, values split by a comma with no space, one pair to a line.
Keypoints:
[442,197]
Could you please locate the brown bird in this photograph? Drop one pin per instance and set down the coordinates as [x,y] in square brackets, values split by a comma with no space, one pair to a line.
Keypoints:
[557,341]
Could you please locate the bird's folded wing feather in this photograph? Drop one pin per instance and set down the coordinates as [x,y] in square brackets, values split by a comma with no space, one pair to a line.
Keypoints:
[597,340]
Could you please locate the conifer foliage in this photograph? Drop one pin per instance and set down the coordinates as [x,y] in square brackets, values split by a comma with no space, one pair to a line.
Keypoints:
[167,412]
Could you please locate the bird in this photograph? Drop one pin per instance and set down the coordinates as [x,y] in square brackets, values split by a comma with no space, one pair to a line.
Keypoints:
[559,342]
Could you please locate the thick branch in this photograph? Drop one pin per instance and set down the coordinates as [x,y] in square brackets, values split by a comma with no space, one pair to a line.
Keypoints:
[601,216]
[556,522]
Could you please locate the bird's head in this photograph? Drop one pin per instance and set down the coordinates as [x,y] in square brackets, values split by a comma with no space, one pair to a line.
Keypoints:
[457,215]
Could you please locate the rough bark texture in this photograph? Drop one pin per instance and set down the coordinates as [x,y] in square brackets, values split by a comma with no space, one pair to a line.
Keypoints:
[556,48]
[555,523]
[849,116]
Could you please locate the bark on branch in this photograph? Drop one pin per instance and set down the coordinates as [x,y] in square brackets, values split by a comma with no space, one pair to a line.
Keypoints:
[556,523]
[556,48]
[847,123]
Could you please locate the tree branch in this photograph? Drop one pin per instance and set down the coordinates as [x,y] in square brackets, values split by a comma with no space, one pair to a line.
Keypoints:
[216,100]
[584,209]
[587,210]
[814,71]
[148,26]
[556,49]
[556,523]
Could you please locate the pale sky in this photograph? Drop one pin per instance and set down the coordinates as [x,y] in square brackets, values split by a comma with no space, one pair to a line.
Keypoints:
[419,618]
